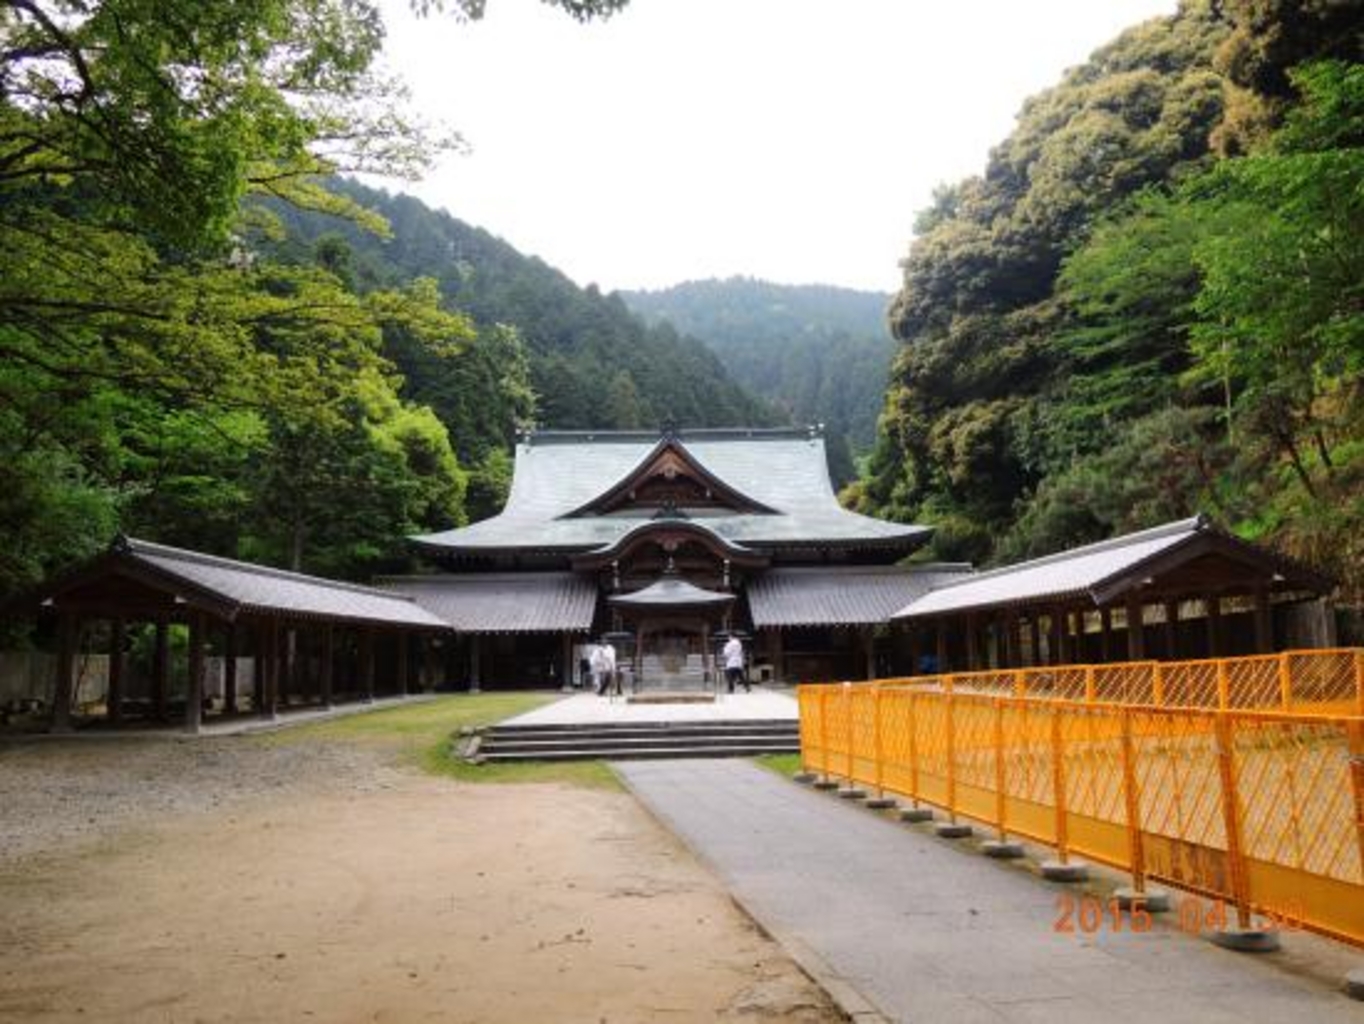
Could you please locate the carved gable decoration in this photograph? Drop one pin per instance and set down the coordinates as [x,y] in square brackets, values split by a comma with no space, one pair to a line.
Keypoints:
[670,477]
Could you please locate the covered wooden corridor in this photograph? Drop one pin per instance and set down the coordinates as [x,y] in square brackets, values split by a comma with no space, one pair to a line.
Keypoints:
[1180,591]
[281,639]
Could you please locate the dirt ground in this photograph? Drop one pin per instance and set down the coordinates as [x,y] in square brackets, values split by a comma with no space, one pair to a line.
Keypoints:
[352,889]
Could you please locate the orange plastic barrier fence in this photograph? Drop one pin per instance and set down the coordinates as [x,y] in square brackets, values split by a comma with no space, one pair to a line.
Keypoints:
[1261,809]
[1322,681]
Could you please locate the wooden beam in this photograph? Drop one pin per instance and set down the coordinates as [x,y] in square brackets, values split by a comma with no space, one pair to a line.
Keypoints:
[68,632]
[367,664]
[972,643]
[258,638]
[1106,634]
[431,674]
[1008,624]
[1035,635]
[1172,630]
[328,670]
[566,661]
[475,682]
[404,642]
[161,671]
[230,669]
[1136,630]
[284,676]
[913,649]
[869,650]
[194,689]
[1212,604]
[114,699]
[941,650]
[1059,652]
[1264,621]
[269,656]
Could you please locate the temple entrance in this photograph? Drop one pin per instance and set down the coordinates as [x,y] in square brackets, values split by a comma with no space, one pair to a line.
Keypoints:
[674,655]
[673,622]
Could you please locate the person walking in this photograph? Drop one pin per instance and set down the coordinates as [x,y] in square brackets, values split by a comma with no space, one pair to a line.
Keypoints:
[609,676]
[597,658]
[733,654]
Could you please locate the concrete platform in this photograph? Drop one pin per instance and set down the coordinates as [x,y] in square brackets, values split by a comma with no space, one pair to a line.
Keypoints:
[589,709]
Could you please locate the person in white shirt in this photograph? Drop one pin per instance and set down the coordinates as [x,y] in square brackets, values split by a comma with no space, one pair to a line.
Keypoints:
[598,661]
[607,653]
[733,654]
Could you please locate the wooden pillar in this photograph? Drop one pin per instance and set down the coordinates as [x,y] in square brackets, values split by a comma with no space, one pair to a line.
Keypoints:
[972,647]
[428,664]
[305,675]
[230,669]
[778,656]
[367,665]
[258,635]
[114,699]
[285,675]
[1105,634]
[68,632]
[1009,627]
[1171,630]
[327,672]
[161,671]
[404,643]
[475,668]
[269,658]
[1212,603]
[913,649]
[1058,637]
[194,688]
[566,663]
[1136,630]
[1035,635]
[709,669]
[1264,621]
[941,650]
[869,650]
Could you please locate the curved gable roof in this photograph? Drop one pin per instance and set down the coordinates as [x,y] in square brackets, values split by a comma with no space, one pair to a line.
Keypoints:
[672,450]
[558,474]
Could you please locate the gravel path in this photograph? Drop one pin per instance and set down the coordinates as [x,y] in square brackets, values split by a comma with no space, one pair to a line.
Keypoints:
[56,793]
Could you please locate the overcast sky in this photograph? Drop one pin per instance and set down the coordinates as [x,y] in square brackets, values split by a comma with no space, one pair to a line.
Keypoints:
[791,140]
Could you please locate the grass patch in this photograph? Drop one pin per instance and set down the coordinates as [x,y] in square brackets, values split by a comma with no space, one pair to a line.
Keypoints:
[782,764]
[422,734]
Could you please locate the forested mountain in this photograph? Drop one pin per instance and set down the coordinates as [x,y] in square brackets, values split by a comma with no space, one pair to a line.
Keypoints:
[1151,301]
[546,351]
[817,352]
[593,364]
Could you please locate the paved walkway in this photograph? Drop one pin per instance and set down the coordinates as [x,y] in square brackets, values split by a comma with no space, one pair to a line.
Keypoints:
[589,709]
[929,931]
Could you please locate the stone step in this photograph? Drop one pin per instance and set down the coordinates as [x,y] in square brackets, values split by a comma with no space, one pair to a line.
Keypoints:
[627,738]
[624,740]
[500,743]
[781,724]
[611,753]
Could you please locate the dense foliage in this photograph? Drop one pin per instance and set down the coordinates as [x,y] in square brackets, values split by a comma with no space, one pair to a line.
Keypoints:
[1150,303]
[156,374]
[589,361]
[819,353]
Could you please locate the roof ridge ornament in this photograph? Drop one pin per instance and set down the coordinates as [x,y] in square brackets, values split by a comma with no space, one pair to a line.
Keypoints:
[669,510]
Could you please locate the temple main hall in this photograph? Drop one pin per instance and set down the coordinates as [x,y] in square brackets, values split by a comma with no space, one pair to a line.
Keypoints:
[668,542]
